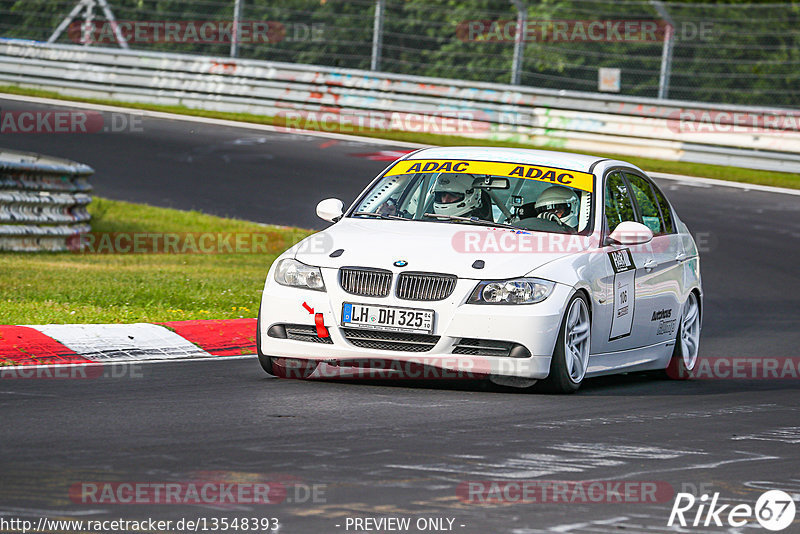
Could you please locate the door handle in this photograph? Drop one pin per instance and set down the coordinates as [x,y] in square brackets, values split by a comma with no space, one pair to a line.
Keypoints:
[650,264]
[680,257]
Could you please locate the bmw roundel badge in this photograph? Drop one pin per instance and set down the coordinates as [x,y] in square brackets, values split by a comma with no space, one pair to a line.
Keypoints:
[400,263]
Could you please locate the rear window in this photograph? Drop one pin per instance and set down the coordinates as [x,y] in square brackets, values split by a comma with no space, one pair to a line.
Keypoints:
[666,214]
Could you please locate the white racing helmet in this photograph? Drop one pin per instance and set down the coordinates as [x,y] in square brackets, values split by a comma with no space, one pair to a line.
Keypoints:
[453,194]
[557,198]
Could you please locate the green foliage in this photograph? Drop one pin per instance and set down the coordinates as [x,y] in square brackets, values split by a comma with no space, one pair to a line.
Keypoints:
[72,287]
[748,54]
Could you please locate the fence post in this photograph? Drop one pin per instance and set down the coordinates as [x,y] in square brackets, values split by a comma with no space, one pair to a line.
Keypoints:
[237,17]
[666,51]
[377,35]
[519,41]
[86,29]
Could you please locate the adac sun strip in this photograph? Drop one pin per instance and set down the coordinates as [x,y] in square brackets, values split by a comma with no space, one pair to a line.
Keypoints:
[575,179]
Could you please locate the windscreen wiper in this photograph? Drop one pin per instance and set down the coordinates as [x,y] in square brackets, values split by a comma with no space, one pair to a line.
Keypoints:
[379,215]
[470,220]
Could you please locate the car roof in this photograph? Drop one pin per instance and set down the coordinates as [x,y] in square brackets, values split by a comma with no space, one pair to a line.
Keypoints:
[561,160]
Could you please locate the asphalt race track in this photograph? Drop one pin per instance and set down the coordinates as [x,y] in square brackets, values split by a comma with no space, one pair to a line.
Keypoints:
[254,175]
[402,449]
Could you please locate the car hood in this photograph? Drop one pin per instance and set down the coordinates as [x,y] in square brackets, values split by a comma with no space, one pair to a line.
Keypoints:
[434,247]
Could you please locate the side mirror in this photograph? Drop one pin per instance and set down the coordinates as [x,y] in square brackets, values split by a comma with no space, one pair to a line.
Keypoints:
[631,233]
[330,209]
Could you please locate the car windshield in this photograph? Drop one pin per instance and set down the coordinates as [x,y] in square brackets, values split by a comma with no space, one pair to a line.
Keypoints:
[529,197]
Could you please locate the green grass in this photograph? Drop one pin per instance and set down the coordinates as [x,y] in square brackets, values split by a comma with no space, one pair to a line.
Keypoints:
[720,172]
[70,287]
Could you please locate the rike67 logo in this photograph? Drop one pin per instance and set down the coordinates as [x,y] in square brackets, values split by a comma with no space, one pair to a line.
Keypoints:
[774,510]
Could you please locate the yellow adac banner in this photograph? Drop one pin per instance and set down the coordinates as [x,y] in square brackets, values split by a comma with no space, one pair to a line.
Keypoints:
[575,179]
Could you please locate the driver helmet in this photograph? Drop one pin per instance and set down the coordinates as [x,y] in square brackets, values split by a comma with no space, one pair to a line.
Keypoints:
[558,203]
[453,194]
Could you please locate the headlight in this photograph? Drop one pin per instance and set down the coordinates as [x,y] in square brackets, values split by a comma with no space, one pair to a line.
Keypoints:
[517,291]
[295,274]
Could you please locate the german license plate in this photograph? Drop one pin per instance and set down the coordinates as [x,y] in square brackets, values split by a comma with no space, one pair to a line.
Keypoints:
[387,318]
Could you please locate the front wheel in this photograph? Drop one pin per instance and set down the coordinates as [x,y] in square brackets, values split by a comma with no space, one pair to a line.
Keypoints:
[571,354]
[281,367]
[687,342]
[263,359]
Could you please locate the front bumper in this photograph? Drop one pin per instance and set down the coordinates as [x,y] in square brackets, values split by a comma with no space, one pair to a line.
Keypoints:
[534,326]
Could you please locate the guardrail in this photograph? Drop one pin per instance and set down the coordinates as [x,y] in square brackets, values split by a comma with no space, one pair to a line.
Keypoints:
[758,138]
[42,201]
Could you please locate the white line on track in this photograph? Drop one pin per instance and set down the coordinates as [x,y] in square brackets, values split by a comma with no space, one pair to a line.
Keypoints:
[27,512]
[751,457]
[345,137]
[207,120]
[24,394]
[700,182]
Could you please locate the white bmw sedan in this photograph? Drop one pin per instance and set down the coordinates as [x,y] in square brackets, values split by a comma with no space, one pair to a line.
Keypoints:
[517,265]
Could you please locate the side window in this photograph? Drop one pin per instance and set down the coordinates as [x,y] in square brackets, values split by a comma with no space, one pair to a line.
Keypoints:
[666,214]
[618,205]
[646,200]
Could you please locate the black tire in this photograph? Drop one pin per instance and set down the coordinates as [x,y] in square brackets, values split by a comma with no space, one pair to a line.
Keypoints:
[559,379]
[263,359]
[677,369]
[278,366]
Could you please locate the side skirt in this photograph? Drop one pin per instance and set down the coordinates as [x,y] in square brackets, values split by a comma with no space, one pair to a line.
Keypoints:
[650,358]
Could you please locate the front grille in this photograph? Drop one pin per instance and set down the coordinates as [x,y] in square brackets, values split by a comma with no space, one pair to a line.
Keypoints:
[425,286]
[399,341]
[302,332]
[483,347]
[365,282]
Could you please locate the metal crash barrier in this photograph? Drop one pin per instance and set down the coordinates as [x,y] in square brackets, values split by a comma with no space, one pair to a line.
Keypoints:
[750,137]
[42,201]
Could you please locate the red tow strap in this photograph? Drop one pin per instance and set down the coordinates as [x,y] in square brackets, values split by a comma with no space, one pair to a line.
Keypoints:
[320,322]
